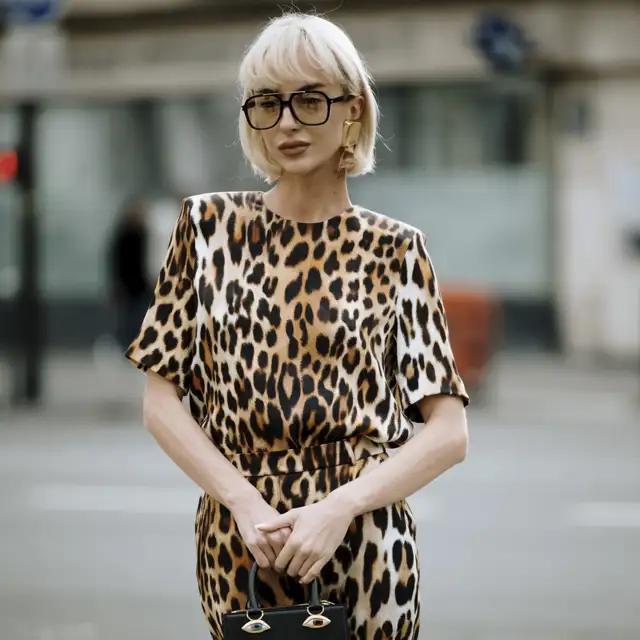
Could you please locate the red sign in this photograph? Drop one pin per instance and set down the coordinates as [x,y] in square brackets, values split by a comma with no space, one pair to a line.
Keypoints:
[8,165]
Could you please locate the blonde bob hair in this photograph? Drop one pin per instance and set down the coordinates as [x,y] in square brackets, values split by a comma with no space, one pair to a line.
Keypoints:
[279,53]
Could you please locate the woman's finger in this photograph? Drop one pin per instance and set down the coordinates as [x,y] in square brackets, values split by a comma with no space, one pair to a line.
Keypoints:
[265,547]
[315,570]
[260,558]
[306,566]
[301,556]
[276,542]
[285,556]
[293,569]
[283,536]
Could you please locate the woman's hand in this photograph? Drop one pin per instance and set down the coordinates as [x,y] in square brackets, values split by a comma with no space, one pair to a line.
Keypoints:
[317,531]
[264,546]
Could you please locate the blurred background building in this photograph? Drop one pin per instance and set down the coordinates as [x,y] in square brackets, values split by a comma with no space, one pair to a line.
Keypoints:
[528,184]
[511,136]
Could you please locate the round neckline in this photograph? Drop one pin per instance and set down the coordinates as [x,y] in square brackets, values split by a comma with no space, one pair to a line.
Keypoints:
[350,209]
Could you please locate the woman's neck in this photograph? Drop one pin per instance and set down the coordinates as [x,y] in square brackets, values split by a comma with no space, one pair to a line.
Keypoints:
[309,198]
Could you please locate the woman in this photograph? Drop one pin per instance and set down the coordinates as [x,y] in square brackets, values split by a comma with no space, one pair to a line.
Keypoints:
[309,336]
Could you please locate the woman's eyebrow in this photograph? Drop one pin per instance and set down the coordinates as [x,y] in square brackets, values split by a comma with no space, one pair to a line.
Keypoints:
[311,87]
[307,87]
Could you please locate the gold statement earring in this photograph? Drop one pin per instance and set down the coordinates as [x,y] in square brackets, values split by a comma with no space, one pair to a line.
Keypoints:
[350,137]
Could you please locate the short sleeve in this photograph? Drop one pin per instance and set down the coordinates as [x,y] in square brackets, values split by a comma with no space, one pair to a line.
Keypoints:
[426,365]
[166,340]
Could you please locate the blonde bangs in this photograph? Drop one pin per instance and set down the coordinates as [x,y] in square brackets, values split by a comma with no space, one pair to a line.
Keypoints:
[285,52]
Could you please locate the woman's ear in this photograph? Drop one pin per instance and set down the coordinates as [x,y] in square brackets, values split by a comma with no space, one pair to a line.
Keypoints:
[356,108]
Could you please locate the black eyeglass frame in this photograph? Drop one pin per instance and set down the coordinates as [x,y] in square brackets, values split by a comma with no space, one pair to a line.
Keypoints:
[287,103]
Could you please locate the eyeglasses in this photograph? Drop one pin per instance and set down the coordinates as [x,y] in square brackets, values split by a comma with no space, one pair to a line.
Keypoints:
[310,108]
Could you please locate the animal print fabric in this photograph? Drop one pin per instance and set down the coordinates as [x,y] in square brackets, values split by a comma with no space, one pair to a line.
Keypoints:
[374,572]
[286,336]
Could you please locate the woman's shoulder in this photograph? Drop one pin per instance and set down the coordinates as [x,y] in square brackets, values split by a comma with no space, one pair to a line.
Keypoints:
[219,204]
[401,234]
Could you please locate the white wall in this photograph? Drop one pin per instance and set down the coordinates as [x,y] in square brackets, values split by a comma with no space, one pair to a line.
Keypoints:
[598,198]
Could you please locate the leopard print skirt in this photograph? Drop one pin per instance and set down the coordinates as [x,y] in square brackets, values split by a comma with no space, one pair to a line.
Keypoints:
[374,572]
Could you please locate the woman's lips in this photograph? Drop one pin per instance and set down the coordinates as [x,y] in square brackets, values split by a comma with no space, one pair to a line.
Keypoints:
[293,148]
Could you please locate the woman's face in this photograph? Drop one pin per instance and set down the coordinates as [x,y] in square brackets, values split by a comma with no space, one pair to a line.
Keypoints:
[298,148]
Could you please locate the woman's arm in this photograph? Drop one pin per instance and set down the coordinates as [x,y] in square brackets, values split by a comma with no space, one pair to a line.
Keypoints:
[188,446]
[440,444]
[319,528]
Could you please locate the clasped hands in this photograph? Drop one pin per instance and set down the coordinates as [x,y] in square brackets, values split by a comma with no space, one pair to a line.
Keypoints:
[300,541]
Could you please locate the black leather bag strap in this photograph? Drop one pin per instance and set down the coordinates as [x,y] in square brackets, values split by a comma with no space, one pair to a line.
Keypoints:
[253,604]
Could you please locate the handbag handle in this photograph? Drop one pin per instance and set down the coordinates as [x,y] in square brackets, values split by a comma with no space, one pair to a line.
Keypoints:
[314,599]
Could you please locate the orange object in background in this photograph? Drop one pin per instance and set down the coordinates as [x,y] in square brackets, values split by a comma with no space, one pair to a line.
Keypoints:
[472,317]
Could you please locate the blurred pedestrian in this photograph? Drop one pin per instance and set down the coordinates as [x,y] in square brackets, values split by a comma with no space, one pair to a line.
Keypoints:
[309,336]
[129,285]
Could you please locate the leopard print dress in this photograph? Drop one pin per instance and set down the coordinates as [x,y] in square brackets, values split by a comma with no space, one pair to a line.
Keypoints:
[303,349]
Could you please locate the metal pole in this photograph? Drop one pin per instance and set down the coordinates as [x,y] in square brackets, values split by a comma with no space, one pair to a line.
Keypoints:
[29,334]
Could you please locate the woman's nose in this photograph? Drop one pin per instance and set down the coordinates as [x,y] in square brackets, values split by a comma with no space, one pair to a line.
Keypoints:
[288,121]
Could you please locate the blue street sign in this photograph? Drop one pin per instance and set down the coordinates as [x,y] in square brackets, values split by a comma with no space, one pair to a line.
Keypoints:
[502,42]
[32,11]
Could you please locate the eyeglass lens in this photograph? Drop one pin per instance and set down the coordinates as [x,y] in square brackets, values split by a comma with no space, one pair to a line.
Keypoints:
[309,108]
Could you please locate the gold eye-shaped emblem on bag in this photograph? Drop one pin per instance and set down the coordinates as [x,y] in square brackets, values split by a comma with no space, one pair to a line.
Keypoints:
[255,625]
[316,620]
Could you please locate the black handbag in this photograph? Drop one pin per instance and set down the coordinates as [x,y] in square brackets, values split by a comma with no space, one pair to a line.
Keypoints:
[316,620]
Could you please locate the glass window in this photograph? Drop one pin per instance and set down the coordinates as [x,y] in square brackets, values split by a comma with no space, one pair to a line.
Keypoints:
[443,127]
[89,160]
